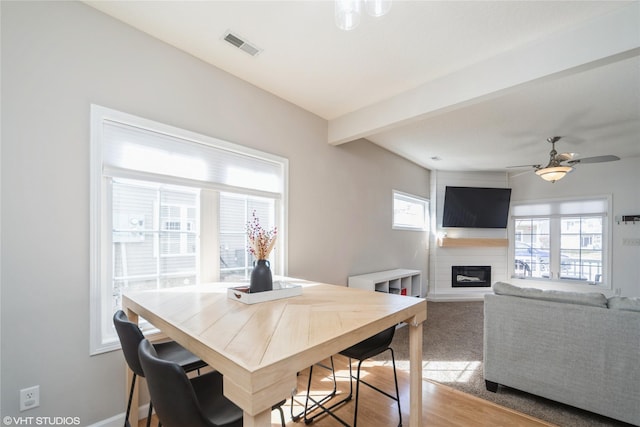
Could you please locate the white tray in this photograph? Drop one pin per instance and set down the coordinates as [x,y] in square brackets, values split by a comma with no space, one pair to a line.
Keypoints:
[280,290]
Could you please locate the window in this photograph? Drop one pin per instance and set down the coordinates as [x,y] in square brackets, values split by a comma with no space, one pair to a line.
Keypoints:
[169,208]
[154,237]
[235,212]
[562,240]
[410,212]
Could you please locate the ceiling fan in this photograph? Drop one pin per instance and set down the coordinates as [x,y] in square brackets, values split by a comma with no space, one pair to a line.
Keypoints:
[561,164]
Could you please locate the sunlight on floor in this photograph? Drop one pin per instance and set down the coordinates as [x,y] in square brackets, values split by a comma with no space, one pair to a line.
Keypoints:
[450,371]
[445,371]
[442,371]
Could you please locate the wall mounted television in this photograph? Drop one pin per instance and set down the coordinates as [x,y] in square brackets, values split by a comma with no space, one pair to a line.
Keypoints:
[476,207]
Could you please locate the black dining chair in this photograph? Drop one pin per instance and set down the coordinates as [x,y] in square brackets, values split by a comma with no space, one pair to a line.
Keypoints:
[370,347]
[130,337]
[195,402]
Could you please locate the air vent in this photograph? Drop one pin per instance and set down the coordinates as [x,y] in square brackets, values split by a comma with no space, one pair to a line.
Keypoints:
[241,43]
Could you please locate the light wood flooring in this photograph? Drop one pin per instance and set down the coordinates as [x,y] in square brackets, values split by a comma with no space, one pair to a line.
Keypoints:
[442,406]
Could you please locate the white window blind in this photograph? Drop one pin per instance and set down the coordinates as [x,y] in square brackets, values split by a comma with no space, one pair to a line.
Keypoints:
[142,153]
[553,208]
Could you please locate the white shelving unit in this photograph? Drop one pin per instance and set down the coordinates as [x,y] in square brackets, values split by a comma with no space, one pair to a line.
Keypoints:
[399,281]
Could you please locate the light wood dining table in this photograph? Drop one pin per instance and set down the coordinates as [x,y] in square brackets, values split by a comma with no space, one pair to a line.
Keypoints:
[260,348]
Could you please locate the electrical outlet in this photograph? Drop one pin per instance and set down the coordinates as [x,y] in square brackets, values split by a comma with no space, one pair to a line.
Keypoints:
[29,398]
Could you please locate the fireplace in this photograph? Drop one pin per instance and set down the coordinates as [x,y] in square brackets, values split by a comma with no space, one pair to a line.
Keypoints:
[465,276]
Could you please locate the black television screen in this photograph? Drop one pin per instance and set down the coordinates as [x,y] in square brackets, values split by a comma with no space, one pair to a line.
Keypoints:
[476,207]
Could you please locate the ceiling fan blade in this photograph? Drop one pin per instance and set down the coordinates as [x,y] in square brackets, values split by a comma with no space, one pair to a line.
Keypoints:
[596,159]
[523,166]
[516,174]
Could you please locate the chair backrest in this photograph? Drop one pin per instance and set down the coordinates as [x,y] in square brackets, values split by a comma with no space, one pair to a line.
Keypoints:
[171,391]
[371,346]
[387,335]
[130,336]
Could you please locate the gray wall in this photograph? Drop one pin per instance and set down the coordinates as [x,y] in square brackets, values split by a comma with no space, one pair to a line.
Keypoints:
[57,59]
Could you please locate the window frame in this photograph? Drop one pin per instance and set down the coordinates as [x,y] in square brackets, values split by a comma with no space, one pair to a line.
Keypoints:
[102,334]
[406,197]
[555,217]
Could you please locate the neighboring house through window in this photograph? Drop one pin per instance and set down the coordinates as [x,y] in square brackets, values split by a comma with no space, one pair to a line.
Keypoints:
[170,208]
[565,240]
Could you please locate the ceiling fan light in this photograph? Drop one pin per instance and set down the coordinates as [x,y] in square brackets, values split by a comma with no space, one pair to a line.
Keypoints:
[377,8]
[347,14]
[553,174]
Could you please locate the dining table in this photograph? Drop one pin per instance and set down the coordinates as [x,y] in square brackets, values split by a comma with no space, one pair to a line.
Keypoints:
[259,348]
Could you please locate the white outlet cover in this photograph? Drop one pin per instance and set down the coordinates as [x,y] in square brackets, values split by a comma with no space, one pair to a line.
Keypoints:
[29,398]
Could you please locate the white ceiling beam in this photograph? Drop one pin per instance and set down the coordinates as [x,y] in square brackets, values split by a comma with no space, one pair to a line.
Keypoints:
[607,39]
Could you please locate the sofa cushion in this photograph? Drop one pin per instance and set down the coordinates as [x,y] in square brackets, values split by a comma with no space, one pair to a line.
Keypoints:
[624,303]
[594,299]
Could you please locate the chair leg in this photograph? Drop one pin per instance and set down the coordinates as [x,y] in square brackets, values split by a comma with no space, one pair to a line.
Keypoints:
[281,416]
[395,377]
[325,410]
[306,400]
[126,415]
[149,414]
[315,404]
[355,410]
[351,380]
[396,398]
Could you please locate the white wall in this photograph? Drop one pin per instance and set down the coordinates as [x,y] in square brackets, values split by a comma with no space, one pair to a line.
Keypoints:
[57,59]
[620,179]
[442,258]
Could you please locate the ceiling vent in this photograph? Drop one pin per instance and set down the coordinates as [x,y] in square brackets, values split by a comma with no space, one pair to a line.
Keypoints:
[241,44]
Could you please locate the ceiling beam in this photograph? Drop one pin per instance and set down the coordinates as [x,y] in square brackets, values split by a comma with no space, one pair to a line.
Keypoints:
[606,39]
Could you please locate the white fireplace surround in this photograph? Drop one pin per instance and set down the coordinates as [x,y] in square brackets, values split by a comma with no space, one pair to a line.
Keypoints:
[442,259]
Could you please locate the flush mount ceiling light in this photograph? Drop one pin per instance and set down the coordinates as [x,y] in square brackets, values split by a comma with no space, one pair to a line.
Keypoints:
[347,12]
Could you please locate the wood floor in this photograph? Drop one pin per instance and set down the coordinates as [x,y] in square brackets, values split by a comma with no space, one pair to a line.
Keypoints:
[442,406]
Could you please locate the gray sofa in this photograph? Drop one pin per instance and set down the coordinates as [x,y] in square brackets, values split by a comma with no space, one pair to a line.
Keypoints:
[579,349]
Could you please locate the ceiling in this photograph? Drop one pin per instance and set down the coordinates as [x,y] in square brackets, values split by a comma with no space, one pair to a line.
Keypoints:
[450,85]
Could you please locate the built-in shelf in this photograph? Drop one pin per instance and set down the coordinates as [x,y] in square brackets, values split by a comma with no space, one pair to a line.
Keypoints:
[451,242]
[399,282]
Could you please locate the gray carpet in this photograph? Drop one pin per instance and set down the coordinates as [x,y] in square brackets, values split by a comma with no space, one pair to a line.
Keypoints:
[452,355]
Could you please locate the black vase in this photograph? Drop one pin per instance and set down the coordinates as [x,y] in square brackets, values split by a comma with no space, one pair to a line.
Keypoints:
[261,279]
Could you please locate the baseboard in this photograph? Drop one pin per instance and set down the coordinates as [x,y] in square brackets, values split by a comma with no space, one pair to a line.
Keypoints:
[118,420]
[458,297]
[115,421]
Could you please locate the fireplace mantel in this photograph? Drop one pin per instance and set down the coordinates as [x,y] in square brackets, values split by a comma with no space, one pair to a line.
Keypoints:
[451,242]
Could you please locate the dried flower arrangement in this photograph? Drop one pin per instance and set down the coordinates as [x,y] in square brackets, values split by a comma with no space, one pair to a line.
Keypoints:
[261,241]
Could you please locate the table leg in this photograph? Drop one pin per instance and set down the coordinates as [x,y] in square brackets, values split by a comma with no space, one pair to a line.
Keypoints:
[263,419]
[415,381]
